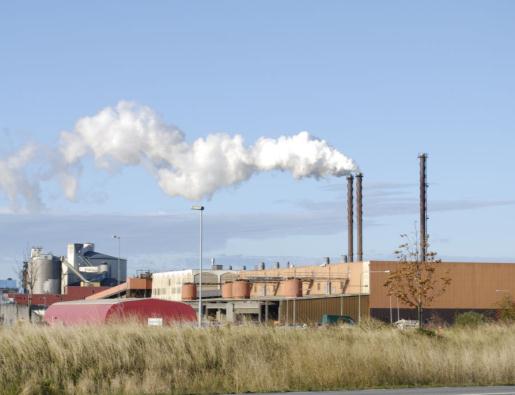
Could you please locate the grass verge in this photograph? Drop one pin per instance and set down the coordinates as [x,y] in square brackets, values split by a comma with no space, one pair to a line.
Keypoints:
[135,359]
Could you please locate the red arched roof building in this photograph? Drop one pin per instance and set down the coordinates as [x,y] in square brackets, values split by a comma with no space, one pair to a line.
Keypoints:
[87,312]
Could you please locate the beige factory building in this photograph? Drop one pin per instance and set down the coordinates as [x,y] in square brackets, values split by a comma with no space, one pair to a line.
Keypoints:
[168,285]
[304,294]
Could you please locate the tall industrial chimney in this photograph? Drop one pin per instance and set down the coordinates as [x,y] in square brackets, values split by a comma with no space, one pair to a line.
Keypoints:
[350,217]
[423,207]
[359,215]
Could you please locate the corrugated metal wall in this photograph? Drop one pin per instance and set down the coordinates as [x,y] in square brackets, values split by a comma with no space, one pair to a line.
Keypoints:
[473,285]
[310,311]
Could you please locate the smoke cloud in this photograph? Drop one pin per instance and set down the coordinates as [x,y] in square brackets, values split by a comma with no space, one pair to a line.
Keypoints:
[130,135]
[15,183]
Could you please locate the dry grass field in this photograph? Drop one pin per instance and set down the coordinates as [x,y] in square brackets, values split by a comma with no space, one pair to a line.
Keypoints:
[133,359]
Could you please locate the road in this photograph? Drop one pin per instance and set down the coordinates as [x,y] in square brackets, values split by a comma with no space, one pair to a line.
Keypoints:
[419,391]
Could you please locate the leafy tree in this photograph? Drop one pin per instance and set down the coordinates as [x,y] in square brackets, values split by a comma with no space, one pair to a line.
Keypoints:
[415,282]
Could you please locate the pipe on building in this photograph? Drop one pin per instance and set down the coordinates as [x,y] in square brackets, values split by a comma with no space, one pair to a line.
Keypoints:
[423,206]
[359,215]
[350,218]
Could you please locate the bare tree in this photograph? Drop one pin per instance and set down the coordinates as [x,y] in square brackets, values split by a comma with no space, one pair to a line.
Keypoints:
[30,276]
[415,282]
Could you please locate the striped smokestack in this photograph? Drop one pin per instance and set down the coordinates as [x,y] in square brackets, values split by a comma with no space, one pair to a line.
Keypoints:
[423,207]
[359,215]
[350,217]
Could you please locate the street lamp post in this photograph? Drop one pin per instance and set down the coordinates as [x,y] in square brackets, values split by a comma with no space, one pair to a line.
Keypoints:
[391,314]
[398,310]
[200,209]
[118,264]
[361,287]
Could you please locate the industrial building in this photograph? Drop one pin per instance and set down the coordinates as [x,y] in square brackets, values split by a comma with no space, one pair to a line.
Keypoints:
[478,287]
[287,295]
[284,295]
[45,273]
[81,273]
[302,295]
[84,264]
[8,285]
[168,285]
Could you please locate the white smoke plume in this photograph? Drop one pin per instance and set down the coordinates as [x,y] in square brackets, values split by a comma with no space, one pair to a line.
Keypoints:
[132,135]
[128,134]
[15,183]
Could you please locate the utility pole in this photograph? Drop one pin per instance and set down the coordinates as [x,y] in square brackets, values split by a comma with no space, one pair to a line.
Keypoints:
[200,209]
[118,265]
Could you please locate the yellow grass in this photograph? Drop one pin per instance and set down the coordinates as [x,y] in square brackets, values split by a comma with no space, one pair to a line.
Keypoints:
[135,359]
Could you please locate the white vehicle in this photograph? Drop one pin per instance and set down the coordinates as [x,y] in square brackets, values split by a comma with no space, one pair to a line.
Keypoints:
[406,324]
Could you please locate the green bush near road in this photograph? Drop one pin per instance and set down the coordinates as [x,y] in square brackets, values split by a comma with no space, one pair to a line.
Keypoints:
[134,359]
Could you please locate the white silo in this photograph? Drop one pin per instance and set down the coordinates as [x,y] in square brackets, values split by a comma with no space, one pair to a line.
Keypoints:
[43,273]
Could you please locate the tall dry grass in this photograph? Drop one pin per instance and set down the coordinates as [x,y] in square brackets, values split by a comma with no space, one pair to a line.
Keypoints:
[135,359]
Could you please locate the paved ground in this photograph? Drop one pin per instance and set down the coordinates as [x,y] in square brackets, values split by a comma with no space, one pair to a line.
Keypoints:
[421,391]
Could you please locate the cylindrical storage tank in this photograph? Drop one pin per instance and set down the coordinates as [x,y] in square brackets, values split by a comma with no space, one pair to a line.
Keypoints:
[241,289]
[292,288]
[227,290]
[44,274]
[189,291]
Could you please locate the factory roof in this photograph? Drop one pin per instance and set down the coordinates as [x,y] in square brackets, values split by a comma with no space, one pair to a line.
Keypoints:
[98,255]
[273,298]
[98,301]
[195,271]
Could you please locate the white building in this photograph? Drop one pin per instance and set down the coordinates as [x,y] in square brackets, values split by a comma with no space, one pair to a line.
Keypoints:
[82,262]
[168,285]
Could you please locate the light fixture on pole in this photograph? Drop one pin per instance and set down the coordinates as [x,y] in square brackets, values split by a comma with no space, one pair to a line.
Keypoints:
[200,209]
[361,288]
[118,264]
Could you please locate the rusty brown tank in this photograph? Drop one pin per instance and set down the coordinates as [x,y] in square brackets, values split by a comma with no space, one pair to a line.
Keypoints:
[241,289]
[292,288]
[227,290]
[189,291]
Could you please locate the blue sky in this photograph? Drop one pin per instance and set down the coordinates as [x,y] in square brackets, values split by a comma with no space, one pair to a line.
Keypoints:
[380,81]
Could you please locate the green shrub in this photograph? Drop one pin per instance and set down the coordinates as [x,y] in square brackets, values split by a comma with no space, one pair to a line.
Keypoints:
[506,312]
[426,332]
[470,319]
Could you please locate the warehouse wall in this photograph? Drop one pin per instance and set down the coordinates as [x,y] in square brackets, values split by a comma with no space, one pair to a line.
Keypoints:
[473,285]
[311,310]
